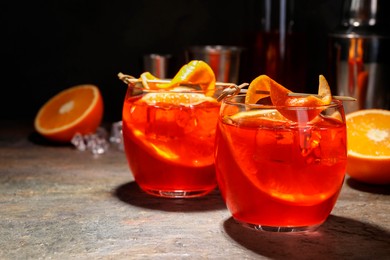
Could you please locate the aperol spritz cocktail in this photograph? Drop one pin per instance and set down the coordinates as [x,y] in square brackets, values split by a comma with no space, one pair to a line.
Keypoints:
[279,174]
[169,140]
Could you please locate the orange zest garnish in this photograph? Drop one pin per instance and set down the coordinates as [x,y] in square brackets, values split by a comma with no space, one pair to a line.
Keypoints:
[324,91]
[77,109]
[258,89]
[196,72]
[369,145]
[280,97]
[145,77]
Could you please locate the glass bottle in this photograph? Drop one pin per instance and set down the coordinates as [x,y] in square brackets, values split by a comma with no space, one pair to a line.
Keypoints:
[279,47]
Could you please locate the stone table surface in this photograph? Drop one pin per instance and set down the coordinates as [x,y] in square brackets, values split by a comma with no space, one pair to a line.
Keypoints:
[60,203]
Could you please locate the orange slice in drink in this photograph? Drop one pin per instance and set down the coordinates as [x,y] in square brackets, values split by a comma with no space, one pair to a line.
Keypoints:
[255,118]
[368,133]
[77,109]
[180,127]
[177,99]
[259,165]
[196,72]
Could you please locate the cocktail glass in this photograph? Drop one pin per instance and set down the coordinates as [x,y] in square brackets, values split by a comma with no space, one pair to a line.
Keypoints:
[169,140]
[276,174]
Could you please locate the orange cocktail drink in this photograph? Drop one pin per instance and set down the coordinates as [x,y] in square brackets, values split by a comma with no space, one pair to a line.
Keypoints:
[169,135]
[280,168]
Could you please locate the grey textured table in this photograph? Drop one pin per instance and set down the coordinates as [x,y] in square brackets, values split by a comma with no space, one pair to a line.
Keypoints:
[60,203]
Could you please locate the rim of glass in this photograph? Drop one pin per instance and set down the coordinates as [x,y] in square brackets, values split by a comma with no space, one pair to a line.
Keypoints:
[230,101]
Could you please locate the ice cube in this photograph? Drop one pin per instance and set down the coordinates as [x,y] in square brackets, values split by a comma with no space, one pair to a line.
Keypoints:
[187,121]
[95,142]
[310,140]
[116,136]
[78,142]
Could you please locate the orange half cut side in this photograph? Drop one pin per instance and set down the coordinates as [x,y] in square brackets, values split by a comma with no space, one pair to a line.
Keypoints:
[368,133]
[74,110]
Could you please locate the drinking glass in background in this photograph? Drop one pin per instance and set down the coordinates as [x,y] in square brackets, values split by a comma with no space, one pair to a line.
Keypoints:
[223,60]
[280,175]
[359,59]
[157,64]
[169,140]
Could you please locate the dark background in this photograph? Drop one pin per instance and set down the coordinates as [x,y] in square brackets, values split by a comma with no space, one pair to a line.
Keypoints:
[48,46]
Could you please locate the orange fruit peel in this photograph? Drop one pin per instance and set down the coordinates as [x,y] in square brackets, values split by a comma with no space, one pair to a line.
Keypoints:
[195,72]
[280,98]
[258,89]
[368,133]
[324,91]
[78,109]
[145,77]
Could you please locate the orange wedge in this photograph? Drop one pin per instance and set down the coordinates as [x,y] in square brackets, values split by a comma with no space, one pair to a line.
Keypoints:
[195,72]
[78,109]
[368,133]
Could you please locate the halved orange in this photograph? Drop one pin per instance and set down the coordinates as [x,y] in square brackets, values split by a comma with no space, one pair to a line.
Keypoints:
[78,109]
[368,133]
[195,72]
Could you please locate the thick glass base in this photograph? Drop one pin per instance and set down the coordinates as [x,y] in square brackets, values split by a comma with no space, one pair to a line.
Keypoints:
[177,193]
[280,229]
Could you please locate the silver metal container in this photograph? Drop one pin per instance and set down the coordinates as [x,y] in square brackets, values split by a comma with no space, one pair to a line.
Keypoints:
[360,56]
[223,60]
[157,64]
[360,66]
